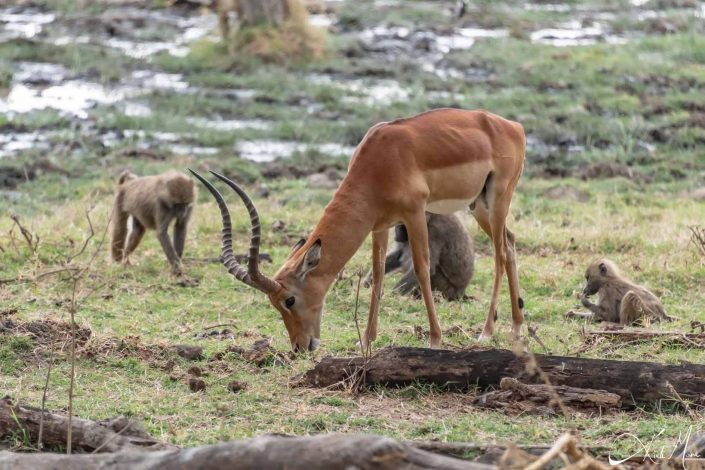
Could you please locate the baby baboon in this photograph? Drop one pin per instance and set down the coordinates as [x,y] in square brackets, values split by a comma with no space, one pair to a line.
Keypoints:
[451,258]
[152,202]
[620,300]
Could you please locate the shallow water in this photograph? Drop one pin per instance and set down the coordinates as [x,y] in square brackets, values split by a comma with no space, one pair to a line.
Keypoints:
[269,150]
[23,23]
[231,124]
[73,97]
[13,143]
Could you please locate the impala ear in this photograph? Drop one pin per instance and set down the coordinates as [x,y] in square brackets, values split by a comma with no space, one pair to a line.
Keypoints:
[311,259]
[297,246]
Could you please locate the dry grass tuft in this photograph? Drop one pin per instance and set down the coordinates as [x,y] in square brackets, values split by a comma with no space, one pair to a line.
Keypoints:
[292,41]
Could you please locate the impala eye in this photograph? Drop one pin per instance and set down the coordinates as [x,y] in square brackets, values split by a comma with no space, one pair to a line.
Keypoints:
[289,302]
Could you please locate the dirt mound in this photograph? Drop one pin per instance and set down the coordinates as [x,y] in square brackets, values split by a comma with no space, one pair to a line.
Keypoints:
[49,333]
[262,354]
[603,170]
[129,346]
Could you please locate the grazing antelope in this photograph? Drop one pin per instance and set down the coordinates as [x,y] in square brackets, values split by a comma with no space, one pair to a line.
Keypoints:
[439,161]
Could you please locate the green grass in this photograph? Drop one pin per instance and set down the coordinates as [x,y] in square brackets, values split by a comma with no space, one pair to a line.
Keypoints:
[614,101]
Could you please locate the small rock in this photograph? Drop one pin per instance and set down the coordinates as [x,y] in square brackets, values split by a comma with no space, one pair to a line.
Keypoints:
[195,371]
[698,194]
[196,385]
[568,193]
[186,281]
[237,386]
[278,225]
[322,180]
[262,191]
[192,353]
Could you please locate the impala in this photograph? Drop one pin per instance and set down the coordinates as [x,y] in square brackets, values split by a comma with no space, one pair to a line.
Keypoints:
[439,161]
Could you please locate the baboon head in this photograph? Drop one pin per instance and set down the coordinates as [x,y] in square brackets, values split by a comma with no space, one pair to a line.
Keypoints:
[597,274]
[296,295]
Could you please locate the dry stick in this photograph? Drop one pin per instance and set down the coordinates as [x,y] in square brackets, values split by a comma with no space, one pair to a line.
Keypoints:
[72,311]
[698,237]
[218,326]
[357,324]
[44,399]
[38,276]
[552,453]
[108,440]
[532,334]
[32,239]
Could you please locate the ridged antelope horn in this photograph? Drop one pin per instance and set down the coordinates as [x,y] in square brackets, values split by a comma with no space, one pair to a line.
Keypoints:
[250,276]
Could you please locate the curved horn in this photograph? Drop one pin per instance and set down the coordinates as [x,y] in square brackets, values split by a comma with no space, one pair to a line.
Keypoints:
[251,276]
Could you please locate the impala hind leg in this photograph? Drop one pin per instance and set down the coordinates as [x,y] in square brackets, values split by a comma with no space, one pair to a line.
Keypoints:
[482,214]
[418,240]
[379,252]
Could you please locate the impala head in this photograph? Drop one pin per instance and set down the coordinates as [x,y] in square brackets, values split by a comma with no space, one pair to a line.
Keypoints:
[297,296]
[597,274]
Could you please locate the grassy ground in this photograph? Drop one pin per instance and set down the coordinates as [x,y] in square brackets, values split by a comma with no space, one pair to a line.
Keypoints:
[637,105]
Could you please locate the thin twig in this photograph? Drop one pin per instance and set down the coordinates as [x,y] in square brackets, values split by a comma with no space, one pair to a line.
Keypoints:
[73,307]
[698,237]
[357,323]
[108,440]
[44,399]
[72,312]
[219,325]
[88,238]
[31,238]
[532,333]
[552,453]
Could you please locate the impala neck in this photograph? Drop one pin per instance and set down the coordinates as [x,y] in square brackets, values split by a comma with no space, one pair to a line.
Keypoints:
[346,222]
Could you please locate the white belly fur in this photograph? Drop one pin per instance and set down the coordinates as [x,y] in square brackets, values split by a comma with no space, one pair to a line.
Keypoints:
[448,206]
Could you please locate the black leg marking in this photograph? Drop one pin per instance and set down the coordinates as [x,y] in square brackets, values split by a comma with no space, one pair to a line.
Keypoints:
[521,303]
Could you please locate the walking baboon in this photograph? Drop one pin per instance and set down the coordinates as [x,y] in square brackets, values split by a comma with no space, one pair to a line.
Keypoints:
[451,258]
[619,299]
[152,202]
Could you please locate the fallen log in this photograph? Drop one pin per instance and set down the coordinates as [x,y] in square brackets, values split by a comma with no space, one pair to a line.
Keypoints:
[461,370]
[693,340]
[270,452]
[516,397]
[117,434]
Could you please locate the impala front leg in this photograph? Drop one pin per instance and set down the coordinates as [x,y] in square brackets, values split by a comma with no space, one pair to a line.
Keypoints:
[379,251]
[418,240]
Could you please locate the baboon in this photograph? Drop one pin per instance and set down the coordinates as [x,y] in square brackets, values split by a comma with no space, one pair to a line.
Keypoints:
[152,202]
[451,256]
[620,300]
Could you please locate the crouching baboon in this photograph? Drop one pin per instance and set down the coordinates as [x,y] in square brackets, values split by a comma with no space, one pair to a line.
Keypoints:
[619,299]
[451,258]
[152,202]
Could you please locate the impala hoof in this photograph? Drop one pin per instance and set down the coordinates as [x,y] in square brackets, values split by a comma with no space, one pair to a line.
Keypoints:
[485,337]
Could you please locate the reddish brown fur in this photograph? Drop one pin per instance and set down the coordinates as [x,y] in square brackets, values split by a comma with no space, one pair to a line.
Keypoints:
[152,202]
[397,170]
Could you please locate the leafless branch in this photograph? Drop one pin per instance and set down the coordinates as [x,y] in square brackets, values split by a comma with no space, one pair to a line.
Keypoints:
[77,276]
[32,239]
[532,334]
[697,237]
[44,399]
[88,238]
